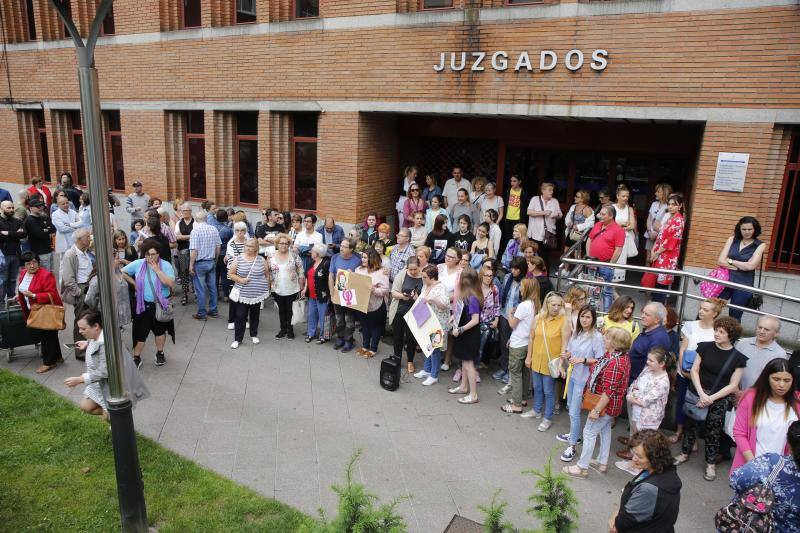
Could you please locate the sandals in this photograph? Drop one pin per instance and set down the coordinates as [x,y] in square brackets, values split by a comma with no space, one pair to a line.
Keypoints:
[625,441]
[680,459]
[45,368]
[457,390]
[466,400]
[524,402]
[509,408]
[600,468]
[575,471]
[675,439]
[711,473]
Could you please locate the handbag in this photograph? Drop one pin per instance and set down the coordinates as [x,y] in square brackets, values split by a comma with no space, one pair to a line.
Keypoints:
[163,313]
[553,365]
[550,238]
[756,300]
[298,311]
[709,289]
[690,408]
[49,317]
[590,401]
[730,421]
[752,511]
[688,360]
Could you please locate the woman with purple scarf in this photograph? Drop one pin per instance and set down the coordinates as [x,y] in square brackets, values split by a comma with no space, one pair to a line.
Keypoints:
[153,278]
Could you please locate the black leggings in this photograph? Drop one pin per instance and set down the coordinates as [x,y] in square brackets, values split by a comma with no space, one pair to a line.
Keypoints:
[285,309]
[245,313]
[504,329]
[402,336]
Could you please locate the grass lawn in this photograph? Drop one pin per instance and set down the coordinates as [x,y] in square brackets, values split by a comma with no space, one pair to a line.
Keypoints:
[57,474]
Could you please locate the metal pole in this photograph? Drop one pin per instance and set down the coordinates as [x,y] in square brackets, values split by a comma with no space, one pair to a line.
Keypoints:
[130,489]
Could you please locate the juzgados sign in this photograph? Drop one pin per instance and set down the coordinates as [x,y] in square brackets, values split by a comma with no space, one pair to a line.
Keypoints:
[500,61]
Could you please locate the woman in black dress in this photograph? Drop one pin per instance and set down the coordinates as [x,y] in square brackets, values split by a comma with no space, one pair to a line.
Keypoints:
[467,333]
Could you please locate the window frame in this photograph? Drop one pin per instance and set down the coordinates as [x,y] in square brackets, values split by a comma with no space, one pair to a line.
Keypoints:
[30,20]
[518,3]
[294,12]
[110,16]
[183,16]
[42,155]
[75,132]
[110,135]
[293,167]
[187,158]
[237,138]
[236,15]
[423,8]
[792,170]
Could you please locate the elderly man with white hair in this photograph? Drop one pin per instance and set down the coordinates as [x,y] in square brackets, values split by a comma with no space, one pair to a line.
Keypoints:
[760,349]
[204,245]
[653,335]
[76,270]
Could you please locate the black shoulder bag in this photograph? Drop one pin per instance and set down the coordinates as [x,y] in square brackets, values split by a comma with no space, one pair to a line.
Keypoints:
[756,300]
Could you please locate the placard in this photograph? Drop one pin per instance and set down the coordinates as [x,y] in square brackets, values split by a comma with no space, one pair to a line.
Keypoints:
[430,335]
[731,171]
[353,289]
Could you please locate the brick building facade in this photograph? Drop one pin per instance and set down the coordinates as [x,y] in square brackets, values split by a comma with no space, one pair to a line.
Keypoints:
[641,91]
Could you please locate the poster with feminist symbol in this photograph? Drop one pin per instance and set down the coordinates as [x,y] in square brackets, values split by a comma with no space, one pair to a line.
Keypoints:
[351,289]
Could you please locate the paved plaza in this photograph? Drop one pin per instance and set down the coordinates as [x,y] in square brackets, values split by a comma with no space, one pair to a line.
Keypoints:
[284,417]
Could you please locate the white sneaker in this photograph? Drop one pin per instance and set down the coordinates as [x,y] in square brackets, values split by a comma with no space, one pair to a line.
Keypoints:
[235,344]
[247,325]
[255,340]
[230,325]
[531,413]
[422,374]
[505,389]
[545,425]
[430,381]
[445,367]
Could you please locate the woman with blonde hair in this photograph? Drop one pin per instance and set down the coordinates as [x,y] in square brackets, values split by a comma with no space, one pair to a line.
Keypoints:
[655,217]
[477,194]
[514,245]
[521,323]
[608,377]
[467,333]
[574,300]
[551,332]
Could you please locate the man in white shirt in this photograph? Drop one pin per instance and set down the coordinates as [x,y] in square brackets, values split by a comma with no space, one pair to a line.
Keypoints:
[760,350]
[452,186]
[76,270]
[306,239]
[66,221]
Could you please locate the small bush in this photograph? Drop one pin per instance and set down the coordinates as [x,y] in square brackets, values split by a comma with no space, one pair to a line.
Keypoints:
[493,513]
[554,502]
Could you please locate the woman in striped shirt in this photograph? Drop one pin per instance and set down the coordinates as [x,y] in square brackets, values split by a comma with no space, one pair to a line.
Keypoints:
[233,250]
[249,272]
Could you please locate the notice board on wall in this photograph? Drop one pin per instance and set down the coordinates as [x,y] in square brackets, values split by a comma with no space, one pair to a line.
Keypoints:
[731,171]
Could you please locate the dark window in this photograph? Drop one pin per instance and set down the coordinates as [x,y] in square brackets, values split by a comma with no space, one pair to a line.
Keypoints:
[523,2]
[306,9]
[78,161]
[31,19]
[116,166]
[304,160]
[191,14]
[437,4]
[195,155]
[65,32]
[247,156]
[786,236]
[245,11]
[108,23]
[43,155]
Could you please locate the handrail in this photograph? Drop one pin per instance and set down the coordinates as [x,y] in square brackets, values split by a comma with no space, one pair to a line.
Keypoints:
[682,291]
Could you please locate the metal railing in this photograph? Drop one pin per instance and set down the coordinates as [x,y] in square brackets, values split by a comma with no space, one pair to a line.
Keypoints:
[571,268]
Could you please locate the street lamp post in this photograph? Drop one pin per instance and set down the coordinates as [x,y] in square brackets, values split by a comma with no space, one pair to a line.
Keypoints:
[130,489]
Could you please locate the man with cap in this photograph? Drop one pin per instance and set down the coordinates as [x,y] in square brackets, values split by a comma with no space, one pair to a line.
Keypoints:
[137,202]
[40,231]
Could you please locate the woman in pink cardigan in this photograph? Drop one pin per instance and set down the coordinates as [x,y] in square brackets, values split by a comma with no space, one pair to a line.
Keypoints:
[764,414]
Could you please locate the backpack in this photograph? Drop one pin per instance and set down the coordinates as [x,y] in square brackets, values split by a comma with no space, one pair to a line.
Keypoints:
[752,511]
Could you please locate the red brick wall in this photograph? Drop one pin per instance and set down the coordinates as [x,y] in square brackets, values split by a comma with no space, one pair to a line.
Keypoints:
[714,214]
[11,169]
[144,152]
[337,165]
[378,181]
[346,8]
[138,16]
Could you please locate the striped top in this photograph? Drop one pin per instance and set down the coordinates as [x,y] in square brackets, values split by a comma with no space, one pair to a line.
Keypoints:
[257,289]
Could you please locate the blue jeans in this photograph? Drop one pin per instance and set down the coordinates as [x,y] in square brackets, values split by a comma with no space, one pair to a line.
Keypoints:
[607,274]
[316,317]
[9,272]
[433,363]
[574,401]
[205,279]
[594,428]
[544,393]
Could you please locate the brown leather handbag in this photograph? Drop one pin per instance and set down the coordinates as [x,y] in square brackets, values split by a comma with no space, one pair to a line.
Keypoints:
[47,316]
[590,401]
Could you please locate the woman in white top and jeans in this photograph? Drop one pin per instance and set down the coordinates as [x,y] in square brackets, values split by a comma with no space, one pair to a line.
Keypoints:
[543,212]
[626,219]
[287,279]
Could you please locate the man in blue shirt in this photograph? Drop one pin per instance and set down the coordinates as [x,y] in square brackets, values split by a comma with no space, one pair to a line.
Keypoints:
[653,335]
[345,319]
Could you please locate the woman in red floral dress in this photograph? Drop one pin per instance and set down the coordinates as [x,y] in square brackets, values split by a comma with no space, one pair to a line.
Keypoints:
[667,247]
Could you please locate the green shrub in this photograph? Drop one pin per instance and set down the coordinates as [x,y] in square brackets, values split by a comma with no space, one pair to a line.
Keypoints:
[554,502]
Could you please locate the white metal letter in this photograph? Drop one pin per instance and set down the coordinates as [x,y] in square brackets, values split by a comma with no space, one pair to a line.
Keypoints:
[599,60]
[543,65]
[453,61]
[502,64]
[523,61]
[440,66]
[568,59]
[479,57]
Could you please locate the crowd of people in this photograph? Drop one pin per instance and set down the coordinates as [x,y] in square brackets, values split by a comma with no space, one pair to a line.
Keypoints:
[482,262]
